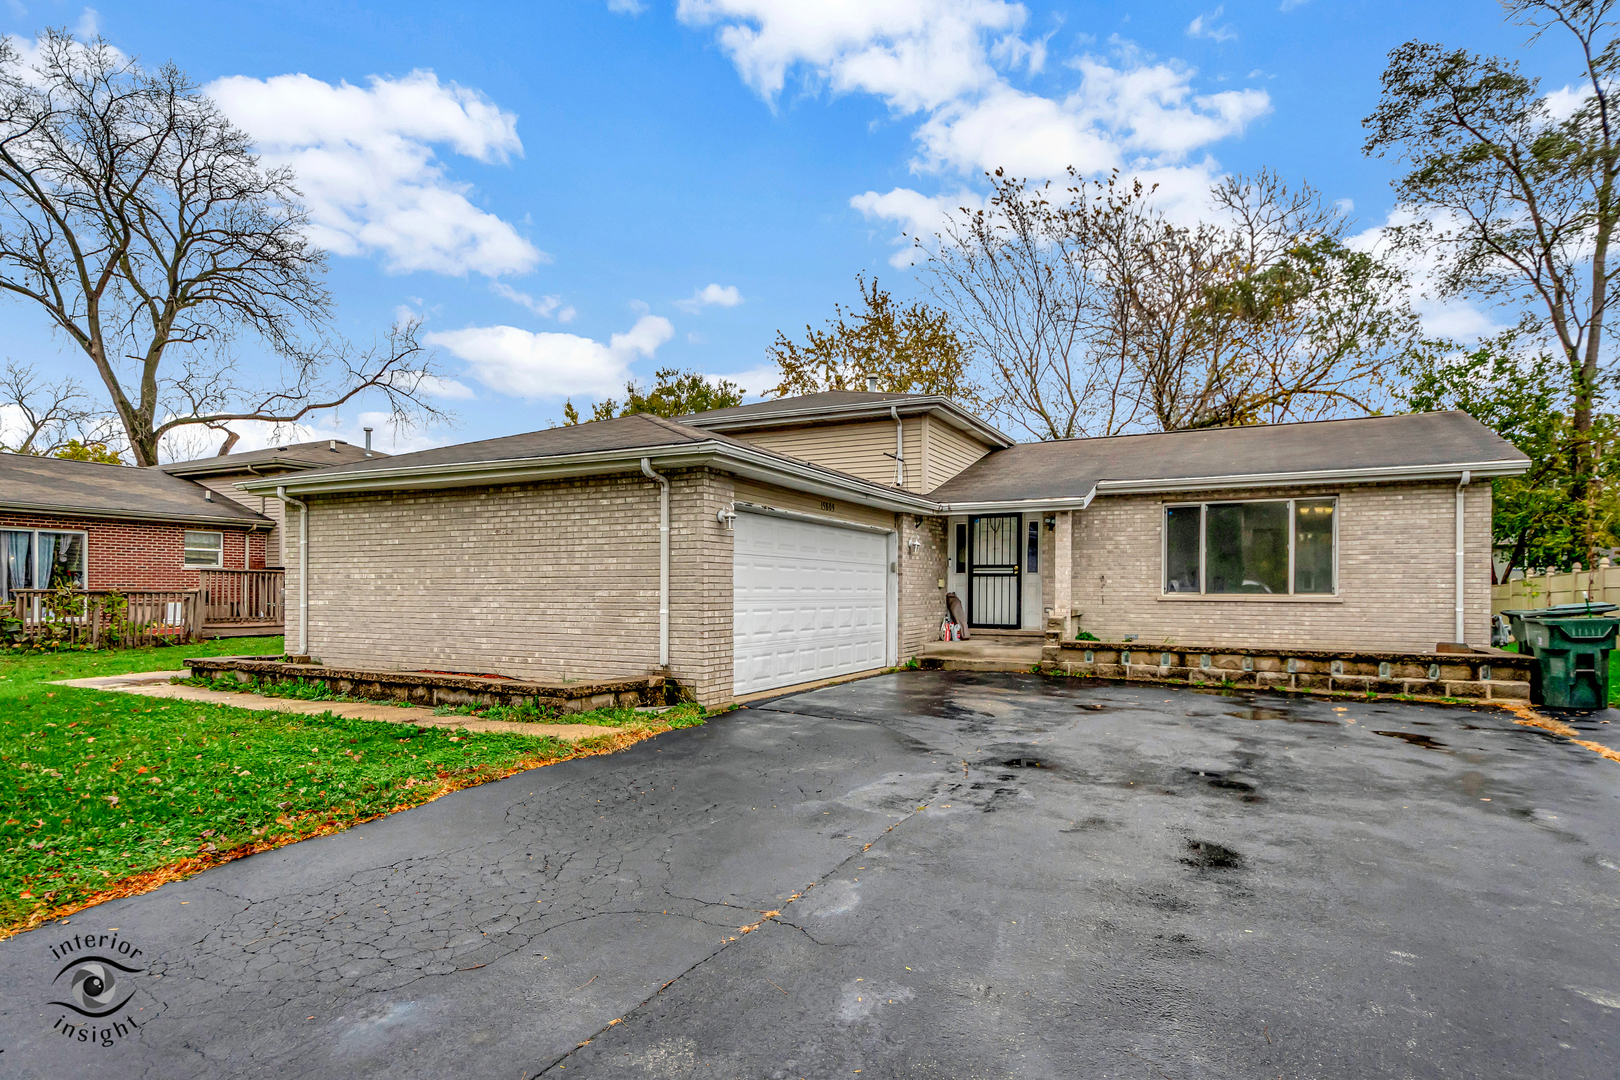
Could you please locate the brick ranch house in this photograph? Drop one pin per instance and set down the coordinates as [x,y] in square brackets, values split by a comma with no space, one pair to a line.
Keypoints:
[96,526]
[170,529]
[774,544]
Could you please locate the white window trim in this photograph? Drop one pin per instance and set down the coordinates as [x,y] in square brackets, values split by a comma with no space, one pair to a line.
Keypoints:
[84,573]
[1203,528]
[219,561]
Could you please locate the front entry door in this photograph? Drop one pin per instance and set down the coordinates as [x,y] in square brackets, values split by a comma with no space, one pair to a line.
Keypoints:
[994,595]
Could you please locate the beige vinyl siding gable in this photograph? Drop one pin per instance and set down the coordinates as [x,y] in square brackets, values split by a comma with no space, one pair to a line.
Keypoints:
[946,451]
[934,451]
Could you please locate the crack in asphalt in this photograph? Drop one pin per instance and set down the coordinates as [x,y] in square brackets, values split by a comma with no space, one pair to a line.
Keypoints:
[771,916]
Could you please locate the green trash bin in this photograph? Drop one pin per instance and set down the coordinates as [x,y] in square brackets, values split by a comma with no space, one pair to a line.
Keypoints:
[1572,659]
[1517,616]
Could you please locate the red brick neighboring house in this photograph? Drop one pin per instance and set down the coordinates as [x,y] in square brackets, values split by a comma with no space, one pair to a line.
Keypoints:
[115,527]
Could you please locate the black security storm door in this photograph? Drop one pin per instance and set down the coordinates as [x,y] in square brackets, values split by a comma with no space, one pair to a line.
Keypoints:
[995,598]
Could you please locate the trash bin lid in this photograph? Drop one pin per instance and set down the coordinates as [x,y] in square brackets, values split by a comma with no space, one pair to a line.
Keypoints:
[1565,611]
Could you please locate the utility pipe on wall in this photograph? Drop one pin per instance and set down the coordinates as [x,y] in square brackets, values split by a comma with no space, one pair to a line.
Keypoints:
[663,560]
[303,568]
[1461,592]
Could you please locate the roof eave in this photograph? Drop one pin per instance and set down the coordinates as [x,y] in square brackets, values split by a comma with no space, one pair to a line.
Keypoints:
[954,414]
[102,513]
[1383,474]
[742,460]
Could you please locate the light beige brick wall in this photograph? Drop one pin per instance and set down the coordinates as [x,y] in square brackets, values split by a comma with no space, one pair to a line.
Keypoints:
[1396,574]
[546,581]
[922,599]
[800,502]
[700,583]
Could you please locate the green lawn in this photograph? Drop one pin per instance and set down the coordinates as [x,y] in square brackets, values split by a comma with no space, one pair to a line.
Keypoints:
[111,793]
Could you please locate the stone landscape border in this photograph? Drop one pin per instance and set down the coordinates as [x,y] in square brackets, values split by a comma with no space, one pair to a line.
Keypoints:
[433,689]
[1470,676]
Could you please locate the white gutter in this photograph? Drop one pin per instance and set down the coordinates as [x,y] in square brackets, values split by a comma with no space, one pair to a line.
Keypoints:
[303,568]
[1375,474]
[663,560]
[899,448]
[740,459]
[104,513]
[947,409]
[1461,619]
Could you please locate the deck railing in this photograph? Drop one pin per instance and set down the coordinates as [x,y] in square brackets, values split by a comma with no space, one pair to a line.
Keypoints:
[242,597]
[105,618]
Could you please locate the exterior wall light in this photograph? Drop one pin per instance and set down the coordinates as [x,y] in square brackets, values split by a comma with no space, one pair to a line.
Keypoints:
[727,517]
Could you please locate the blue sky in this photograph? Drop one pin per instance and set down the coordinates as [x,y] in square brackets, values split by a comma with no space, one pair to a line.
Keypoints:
[573,192]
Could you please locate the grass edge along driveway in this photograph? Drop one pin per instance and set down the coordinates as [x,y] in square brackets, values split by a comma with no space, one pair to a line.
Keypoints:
[105,794]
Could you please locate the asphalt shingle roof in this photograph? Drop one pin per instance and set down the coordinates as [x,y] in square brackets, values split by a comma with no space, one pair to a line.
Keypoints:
[1071,468]
[292,457]
[58,485]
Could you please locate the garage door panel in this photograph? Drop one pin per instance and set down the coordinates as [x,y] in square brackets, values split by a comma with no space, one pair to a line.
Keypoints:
[811,602]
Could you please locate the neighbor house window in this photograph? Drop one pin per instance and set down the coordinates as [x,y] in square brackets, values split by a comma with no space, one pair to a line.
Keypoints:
[205,550]
[961,549]
[1270,546]
[41,559]
[1032,557]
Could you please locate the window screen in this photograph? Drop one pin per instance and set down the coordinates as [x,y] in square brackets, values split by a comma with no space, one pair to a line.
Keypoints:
[204,549]
[1181,527]
[16,562]
[1313,546]
[61,560]
[961,549]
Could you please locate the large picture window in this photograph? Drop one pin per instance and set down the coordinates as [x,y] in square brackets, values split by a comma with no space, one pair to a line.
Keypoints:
[40,559]
[1271,546]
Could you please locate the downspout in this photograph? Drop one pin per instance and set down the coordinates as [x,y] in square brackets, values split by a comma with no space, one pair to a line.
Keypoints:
[663,560]
[899,449]
[1461,485]
[303,567]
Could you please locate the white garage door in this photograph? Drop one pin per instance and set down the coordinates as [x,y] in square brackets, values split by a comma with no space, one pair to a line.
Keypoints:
[811,602]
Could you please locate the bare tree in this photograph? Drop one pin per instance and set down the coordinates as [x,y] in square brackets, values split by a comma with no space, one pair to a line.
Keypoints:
[1022,282]
[137,218]
[1095,315]
[46,418]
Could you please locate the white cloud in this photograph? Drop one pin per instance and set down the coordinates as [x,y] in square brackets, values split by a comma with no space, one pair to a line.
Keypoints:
[713,295]
[550,306]
[918,215]
[626,7]
[755,382]
[366,163]
[552,365]
[186,444]
[952,61]
[1204,26]
[917,54]
[89,24]
[1564,102]
[1459,320]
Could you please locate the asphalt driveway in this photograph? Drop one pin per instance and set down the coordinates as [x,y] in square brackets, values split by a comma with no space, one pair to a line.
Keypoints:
[977,876]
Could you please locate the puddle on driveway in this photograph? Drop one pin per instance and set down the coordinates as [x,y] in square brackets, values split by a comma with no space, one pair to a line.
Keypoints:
[1416,740]
[1258,713]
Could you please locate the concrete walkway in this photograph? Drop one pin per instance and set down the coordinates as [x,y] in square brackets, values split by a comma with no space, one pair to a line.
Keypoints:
[156,684]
